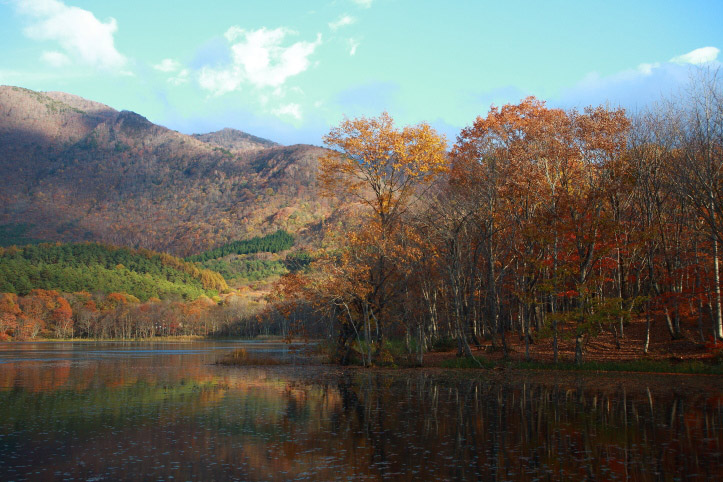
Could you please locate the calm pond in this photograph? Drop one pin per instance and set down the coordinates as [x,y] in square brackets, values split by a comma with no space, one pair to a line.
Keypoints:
[164,411]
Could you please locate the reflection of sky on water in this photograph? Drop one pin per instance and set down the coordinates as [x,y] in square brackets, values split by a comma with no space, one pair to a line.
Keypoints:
[105,412]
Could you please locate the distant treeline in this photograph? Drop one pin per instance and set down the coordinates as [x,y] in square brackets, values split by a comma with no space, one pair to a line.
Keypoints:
[96,267]
[272,243]
[49,313]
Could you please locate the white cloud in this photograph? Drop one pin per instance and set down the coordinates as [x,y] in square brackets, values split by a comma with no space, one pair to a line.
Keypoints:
[55,59]
[342,21]
[698,56]
[258,58]
[363,3]
[353,45]
[220,81]
[80,35]
[290,110]
[167,65]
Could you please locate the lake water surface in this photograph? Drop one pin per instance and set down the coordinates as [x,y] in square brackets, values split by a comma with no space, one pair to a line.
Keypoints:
[164,411]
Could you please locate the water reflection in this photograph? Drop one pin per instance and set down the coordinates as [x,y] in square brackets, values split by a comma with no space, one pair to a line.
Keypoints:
[170,414]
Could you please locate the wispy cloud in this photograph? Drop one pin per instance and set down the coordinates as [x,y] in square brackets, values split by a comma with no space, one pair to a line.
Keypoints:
[167,65]
[180,78]
[363,3]
[353,45]
[342,21]
[55,59]
[698,56]
[289,110]
[637,87]
[647,69]
[172,66]
[23,77]
[80,35]
[259,59]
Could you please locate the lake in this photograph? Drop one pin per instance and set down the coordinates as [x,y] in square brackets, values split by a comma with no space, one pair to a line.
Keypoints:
[164,411]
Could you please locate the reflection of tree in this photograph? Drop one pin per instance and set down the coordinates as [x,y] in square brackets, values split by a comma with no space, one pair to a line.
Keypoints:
[493,430]
[259,424]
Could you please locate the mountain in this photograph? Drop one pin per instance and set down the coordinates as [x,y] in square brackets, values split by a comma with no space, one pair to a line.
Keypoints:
[76,170]
[235,140]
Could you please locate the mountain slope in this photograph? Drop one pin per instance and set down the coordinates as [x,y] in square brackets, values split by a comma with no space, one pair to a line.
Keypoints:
[77,170]
[99,268]
[235,140]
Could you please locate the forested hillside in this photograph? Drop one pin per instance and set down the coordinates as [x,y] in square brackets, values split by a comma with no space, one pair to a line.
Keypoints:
[94,267]
[76,170]
[101,291]
[248,260]
[272,243]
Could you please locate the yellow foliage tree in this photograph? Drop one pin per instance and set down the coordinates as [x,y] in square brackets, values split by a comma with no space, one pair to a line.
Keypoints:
[381,166]
[385,169]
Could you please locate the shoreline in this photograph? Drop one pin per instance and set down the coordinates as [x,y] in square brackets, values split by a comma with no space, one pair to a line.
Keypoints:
[155,339]
[448,361]
[691,366]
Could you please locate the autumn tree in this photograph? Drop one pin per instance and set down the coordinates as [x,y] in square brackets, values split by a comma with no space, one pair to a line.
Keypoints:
[699,177]
[385,169]
[537,183]
[9,313]
[453,238]
[499,164]
[62,316]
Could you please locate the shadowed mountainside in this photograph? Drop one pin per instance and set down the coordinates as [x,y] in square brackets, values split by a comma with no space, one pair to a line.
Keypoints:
[77,170]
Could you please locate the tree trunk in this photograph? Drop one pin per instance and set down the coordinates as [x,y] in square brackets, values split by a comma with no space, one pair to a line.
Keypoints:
[526,320]
[420,342]
[367,336]
[669,322]
[578,349]
[554,340]
[647,330]
[620,295]
[699,294]
[718,321]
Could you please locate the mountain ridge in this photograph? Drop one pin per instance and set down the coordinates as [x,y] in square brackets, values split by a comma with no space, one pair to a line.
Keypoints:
[235,140]
[78,170]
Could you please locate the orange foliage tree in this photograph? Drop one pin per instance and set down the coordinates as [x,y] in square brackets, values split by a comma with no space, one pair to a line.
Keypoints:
[386,170]
[537,181]
[9,312]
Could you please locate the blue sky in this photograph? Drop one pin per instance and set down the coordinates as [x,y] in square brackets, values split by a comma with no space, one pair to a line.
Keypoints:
[290,70]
